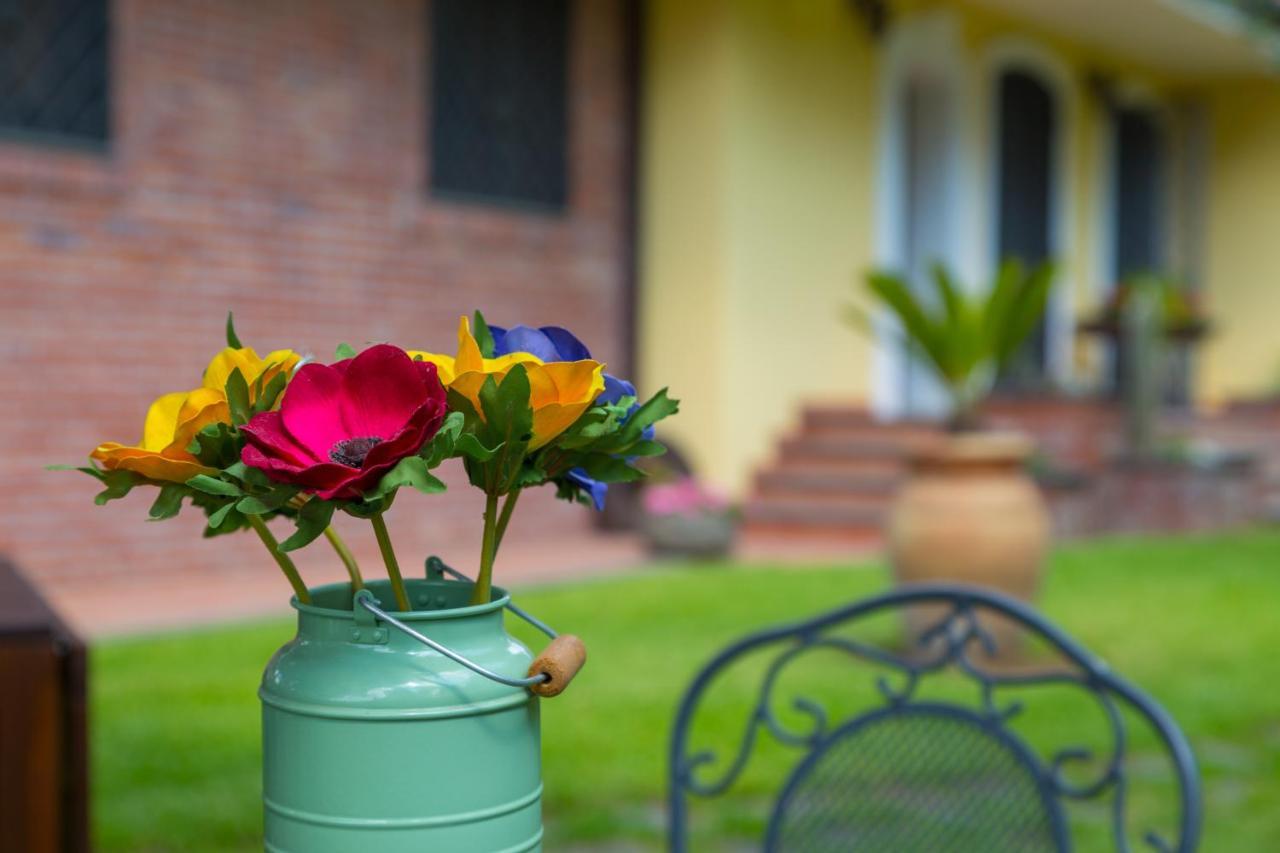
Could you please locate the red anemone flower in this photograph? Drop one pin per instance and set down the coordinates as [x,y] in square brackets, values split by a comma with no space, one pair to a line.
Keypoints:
[341,427]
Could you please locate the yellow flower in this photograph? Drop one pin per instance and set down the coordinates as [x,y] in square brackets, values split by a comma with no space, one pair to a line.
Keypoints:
[251,367]
[174,419]
[559,391]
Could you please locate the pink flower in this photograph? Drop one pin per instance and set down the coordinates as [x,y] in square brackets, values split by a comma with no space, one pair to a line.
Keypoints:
[341,427]
[682,497]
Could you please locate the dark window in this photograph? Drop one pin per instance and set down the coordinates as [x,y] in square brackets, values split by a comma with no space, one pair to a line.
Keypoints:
[1139,181]
[1027,122]
[499,113]
[53,69]
[1139,169]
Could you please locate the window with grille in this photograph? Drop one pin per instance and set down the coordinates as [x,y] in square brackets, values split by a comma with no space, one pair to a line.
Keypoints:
[54,70]
[499,123]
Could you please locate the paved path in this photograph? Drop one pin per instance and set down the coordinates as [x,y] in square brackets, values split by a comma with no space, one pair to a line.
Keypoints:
[187,599]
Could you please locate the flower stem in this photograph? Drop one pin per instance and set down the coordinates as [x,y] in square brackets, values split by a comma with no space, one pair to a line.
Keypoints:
[389,557]
[481,592]
[507,507]
[282,559]
[348,559]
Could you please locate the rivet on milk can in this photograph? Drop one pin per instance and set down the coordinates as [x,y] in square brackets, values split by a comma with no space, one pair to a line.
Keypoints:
[413,731]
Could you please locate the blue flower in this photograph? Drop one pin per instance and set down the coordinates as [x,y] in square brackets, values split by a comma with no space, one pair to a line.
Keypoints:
[549,343]
[553,343]
[598,490]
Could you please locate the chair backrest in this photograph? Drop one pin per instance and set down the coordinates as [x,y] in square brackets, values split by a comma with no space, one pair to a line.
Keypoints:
[920,773]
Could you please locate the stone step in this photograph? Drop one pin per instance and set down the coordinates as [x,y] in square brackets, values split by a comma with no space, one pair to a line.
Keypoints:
[836,417]
[808,512]
[826,446]
[854,423]
[830,480]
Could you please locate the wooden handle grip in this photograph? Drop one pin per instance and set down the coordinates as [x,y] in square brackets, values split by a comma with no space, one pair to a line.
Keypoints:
[561,660]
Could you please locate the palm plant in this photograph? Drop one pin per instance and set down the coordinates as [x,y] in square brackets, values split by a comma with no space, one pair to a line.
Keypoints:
[967,338]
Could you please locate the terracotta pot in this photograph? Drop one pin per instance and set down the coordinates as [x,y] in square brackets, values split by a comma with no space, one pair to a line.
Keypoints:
[971,514]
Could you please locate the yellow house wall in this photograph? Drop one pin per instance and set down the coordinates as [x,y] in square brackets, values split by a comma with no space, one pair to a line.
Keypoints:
[1242,357]
[683,325]
[757,216]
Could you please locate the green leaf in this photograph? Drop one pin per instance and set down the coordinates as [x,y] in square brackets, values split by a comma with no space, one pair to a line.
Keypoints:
[217,445]
[654,409]
[238,398]
[266,398]
[509,422]
[219,515]
[118,484]
[410,471]
[250,476]
[85,468]
[647,448]
[233,340]
[470,447]
[1024,309]
[214,486]
[530,475]
[963,334]
[484,337]
[344,351]
[916,321]
[366,509]
[268,502]
[506,406]
[567,490]
[312,519]
[441,445]
[91,469]
[610,469]
[168,502]
[594,424]
[459,403]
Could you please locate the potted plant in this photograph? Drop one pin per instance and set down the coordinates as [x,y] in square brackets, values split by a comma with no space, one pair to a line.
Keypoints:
[684,518]
[1147,318]
[1178,313]
[969,511]
[402,716]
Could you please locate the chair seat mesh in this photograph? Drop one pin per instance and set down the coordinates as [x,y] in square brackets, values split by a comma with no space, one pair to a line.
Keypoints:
[915,782]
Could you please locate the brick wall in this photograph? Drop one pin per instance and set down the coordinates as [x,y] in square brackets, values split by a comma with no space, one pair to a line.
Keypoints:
[268,156]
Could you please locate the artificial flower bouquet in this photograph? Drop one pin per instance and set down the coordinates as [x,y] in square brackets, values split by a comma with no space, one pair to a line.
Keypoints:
[282,435]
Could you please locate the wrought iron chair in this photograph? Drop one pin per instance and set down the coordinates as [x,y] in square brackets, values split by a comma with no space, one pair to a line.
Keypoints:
[916,773]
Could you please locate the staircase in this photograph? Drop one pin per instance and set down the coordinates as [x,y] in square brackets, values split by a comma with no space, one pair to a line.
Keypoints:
[832,481]
[830,486]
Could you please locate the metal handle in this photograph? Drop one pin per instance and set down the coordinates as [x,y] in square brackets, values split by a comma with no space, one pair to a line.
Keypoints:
[365,599]
[436,569]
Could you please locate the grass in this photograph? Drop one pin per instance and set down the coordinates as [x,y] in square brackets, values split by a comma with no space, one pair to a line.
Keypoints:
[1194,621]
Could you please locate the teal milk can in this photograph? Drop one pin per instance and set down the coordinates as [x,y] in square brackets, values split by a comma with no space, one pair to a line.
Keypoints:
[402,731]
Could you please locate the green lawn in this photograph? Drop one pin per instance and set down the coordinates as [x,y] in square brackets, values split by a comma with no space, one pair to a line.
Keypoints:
[1194,621]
